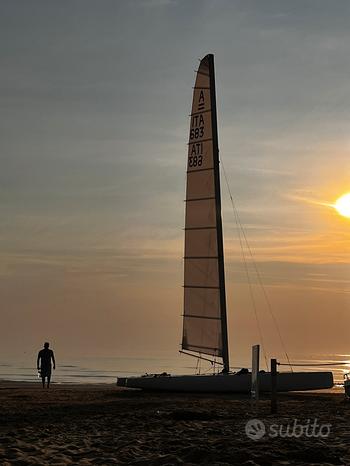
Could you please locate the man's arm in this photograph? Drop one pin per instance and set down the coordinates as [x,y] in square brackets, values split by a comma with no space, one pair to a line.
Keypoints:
[53,360]
[37,360]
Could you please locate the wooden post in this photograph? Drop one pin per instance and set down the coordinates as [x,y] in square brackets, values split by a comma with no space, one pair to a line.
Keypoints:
[254,392]
[273,386]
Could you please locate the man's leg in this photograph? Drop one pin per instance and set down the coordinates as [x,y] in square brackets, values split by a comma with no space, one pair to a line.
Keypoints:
[43,381]
[48,379]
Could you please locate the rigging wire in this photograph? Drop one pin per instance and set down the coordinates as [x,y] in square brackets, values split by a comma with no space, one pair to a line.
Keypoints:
[269,306]
[258,274]
[247,272]
[263,346]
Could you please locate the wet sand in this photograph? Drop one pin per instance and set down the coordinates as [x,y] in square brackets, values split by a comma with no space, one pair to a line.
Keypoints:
[100,424]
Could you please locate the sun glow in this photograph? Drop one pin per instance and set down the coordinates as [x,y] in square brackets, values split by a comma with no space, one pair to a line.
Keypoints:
[342,205]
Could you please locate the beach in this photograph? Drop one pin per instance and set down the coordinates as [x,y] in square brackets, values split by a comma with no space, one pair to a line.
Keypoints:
[102,424]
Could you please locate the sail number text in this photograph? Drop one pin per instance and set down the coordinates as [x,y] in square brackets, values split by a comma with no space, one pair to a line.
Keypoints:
[197,127]
[195,158]
[196,133]
[195,161]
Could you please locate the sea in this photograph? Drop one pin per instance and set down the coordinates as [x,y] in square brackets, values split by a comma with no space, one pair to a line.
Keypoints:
[104,369]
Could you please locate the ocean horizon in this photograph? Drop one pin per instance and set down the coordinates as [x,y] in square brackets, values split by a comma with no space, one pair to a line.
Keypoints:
[92,370]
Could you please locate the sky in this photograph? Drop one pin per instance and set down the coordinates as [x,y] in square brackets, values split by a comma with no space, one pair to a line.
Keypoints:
[95,99]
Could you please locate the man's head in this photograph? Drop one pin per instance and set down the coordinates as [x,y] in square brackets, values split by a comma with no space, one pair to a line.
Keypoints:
[46,345]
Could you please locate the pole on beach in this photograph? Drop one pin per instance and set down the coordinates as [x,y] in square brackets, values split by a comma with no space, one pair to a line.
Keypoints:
[273,386]
[254,392]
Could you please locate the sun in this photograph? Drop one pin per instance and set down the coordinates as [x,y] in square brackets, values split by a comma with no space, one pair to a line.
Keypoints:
[342,205]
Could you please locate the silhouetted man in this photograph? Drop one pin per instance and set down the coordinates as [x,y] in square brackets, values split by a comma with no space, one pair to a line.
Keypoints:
[45,356]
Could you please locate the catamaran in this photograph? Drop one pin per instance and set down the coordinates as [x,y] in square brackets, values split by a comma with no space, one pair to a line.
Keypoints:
[204,315]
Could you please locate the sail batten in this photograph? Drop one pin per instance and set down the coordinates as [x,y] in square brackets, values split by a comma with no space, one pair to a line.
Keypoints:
[204,306]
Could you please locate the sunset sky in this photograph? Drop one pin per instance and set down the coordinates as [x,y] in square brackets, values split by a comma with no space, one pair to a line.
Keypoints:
[95,97]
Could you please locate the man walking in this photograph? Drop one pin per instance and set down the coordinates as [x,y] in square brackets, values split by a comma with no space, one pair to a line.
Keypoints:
[44,358]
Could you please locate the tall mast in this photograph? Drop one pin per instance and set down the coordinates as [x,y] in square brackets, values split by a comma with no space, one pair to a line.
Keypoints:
[225,352]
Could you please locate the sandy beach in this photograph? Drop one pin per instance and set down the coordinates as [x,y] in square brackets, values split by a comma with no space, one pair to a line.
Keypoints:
[100,424]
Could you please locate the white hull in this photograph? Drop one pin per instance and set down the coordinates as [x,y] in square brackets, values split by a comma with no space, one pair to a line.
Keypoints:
[229,383]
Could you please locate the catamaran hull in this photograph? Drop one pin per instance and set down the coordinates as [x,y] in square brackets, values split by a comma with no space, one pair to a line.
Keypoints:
[229,383]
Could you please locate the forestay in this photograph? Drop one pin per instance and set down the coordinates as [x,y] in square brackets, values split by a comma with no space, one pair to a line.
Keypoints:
[204,293]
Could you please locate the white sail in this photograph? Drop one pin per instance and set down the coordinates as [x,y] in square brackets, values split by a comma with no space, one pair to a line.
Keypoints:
[202,325]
